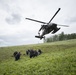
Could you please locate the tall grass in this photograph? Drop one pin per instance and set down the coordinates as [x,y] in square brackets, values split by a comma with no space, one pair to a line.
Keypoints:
[58,58]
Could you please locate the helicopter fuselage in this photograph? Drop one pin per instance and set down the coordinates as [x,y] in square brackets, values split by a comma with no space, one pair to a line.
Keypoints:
[48,28]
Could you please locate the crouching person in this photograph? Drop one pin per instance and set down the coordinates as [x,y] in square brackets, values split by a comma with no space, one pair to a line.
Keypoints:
[17,56]
[39,51]
[14,54]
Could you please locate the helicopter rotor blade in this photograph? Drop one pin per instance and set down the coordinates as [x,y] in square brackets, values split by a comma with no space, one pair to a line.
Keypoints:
[54,15]
[36,20]
[63,25]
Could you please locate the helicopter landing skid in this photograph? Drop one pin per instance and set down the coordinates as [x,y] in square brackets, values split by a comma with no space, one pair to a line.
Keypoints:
[55,31]
[39,37]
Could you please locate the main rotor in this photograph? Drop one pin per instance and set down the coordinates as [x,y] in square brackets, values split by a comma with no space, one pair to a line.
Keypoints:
[45,22]
[49,21]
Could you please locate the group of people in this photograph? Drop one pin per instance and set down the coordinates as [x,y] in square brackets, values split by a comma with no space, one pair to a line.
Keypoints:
[30,52]
[33,53]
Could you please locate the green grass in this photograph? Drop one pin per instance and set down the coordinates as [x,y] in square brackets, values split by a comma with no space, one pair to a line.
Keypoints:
[58,58]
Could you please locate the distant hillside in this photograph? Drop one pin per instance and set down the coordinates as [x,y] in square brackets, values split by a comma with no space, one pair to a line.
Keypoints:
[58,58]
[60,37]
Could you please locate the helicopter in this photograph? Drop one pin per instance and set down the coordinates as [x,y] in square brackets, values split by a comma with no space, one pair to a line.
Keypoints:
[47,27]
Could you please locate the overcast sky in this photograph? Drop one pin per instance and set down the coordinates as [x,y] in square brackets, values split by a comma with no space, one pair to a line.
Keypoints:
[16,30]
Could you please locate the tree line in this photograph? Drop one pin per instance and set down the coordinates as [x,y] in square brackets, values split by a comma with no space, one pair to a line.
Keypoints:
[60,37]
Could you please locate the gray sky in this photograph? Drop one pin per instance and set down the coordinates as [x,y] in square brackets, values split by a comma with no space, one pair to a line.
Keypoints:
[16,30]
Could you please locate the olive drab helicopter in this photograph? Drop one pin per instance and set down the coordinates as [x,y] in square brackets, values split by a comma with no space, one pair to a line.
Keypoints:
[47,27]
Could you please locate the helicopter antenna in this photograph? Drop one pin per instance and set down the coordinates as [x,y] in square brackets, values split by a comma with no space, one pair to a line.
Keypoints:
[54,15]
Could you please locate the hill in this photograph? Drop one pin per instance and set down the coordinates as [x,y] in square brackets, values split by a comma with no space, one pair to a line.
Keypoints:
[58,58]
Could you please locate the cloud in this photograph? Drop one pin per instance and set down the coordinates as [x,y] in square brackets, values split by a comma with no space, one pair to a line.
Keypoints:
[17,39]
[71,19]
[4,5]
[12,11]
[3,43]
[13,18]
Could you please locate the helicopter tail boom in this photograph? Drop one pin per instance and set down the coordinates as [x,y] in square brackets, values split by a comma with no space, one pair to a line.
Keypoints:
[63,25]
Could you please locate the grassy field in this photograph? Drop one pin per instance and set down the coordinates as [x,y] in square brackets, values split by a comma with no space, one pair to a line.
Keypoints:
[58,58]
